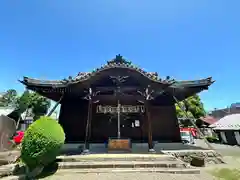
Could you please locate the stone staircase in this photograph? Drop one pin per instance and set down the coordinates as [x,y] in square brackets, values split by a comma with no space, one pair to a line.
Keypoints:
[112,163]
[125,163]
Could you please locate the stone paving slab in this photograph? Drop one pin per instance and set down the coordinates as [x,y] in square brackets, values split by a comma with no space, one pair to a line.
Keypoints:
[22,177]
[128,176]
[122,164]
[6,169]
[131,170]
[8,157]
[108,172]
[7,153]
[118,157]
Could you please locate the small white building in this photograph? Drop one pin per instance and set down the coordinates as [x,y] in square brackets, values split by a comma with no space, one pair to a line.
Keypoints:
[228,129]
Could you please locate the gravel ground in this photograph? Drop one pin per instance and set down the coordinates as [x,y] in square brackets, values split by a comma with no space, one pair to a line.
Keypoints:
[129,176]
[224,150]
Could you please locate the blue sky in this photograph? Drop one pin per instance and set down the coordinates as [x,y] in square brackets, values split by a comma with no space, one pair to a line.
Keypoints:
[184,39]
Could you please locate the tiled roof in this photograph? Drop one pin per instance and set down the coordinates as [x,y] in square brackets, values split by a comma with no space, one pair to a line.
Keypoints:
[117,62]
[209,119]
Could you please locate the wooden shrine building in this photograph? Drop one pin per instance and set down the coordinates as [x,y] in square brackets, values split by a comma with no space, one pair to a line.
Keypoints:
[118,100]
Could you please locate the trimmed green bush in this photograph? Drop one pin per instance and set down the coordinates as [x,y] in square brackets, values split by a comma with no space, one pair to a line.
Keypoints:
[42,142]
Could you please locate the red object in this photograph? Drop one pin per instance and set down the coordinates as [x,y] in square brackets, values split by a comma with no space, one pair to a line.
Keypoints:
[192,130]
[18,137]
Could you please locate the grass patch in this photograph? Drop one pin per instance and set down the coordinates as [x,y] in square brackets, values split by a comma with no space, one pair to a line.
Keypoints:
[226,174]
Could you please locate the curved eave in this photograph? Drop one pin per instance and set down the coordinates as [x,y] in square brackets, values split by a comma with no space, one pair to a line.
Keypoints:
[46,91]
[42,83]
[62,84]
[88,76]
[194,83]
[184,89]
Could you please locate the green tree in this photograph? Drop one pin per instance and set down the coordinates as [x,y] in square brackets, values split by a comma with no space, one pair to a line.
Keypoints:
[34,101]
[23,102]
[9,99]
[39,104]
[28,100]
[193,107]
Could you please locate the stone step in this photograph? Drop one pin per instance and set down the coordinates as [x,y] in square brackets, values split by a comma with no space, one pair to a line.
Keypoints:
[8,157]
[6,169]
[116,157]
[122,164]
[130,170]
[117,170]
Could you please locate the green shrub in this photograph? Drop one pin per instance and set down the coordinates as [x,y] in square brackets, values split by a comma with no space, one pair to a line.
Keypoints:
[42,142]
[212,139]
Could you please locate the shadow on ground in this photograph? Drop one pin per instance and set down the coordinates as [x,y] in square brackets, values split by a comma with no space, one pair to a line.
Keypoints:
[48,170]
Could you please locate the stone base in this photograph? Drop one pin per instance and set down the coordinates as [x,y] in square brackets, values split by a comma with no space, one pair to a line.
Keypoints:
[151,151]
[86,151]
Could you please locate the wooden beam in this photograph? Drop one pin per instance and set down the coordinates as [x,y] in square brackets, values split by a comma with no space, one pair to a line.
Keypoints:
[55,106]
[121,97]
[113,88]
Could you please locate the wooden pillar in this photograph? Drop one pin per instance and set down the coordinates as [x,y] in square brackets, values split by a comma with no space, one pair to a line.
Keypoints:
[89,120]
[149,121]
[148,96]
[86,144]
[142,123]
[89,97]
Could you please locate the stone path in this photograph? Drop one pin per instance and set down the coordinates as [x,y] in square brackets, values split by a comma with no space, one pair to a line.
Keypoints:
[127,176]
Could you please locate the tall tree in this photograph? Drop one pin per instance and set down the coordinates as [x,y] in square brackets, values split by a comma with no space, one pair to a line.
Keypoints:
[38,104]
[23,102]
[9,99]
[34,101]
[193,106]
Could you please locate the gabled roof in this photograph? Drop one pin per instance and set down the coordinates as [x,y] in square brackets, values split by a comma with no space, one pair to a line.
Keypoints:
[118,63]
[230,122]
[63,83]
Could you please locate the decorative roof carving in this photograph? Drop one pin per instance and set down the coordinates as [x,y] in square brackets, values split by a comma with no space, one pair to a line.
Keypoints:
[120,62]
